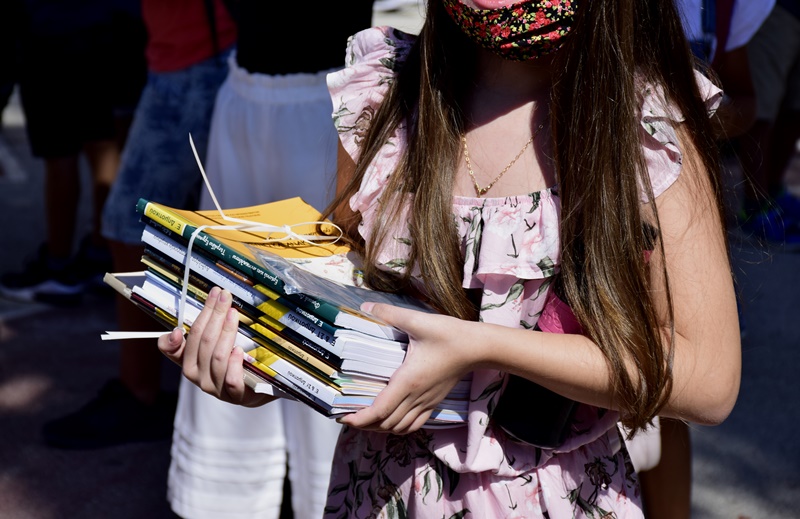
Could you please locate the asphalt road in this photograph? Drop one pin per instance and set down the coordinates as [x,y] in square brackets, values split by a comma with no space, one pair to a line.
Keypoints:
[52,361]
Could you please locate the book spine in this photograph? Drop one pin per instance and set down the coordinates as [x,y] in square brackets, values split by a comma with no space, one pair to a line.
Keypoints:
[202,267]
[321,335]
[323,309]
[165,298]
[290,303]
[262,341]
[177,224]
[249,267]
[154,260]
[270,313]
[287,348]
[310,347]
[297,323]
[296,375]
[263,371]
[269,330]
[286,386]
[171,271]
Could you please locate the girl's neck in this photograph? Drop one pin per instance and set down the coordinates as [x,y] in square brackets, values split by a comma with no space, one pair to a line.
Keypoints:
[518,79]
[507,104]
[501,87]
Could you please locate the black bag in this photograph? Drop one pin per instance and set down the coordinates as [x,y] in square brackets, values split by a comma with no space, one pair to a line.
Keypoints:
[533,414]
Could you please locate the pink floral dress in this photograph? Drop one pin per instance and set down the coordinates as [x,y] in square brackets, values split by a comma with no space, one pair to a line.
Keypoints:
[511,251]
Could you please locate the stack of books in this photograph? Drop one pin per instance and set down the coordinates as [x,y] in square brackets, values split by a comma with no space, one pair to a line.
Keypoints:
[299,302]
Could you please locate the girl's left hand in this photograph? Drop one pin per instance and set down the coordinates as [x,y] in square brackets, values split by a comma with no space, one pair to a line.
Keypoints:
[439,355]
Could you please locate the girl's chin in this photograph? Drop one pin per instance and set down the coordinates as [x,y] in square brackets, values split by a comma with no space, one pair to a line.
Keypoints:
[491,4]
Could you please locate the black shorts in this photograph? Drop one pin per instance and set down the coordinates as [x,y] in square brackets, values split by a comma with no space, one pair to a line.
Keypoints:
[72,87]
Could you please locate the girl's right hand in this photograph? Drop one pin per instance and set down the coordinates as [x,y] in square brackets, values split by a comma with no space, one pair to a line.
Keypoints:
[207,354]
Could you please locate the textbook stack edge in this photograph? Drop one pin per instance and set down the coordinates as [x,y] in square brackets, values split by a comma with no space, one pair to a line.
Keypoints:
[300,322]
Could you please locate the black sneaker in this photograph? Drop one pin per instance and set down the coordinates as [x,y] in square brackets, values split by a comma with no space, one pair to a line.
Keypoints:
[91,264]
[113,417]
[41,282]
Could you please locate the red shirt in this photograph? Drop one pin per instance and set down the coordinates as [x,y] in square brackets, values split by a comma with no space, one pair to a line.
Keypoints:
[179,34]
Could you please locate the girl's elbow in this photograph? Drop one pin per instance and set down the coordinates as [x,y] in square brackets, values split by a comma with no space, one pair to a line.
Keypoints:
[717,383]
[711,398]
[720,397]
[719,408]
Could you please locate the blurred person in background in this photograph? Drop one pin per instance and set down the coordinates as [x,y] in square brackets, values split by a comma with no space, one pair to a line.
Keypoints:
[718,32]
[770,212]
[80,72]
[9,64]
[271,138]
[187,46]
[9,52]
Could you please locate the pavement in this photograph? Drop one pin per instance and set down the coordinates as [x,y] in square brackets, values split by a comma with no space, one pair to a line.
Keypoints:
[52,361]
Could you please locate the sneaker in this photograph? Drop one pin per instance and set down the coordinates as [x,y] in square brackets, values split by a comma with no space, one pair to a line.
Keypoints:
[113,417]
[91,264]
[43,281]
[60,283]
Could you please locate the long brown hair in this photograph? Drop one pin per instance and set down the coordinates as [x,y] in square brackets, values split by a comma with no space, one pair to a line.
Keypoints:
[595,112]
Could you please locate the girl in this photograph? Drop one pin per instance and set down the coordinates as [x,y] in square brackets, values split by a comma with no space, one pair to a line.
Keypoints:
[511,145]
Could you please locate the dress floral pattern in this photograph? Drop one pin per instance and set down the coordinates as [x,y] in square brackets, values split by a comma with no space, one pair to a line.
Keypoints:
[511,251]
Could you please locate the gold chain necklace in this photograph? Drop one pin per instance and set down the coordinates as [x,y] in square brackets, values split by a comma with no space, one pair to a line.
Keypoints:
[482,190]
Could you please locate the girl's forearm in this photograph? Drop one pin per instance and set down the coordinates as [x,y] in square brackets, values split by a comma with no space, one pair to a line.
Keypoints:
[704,388]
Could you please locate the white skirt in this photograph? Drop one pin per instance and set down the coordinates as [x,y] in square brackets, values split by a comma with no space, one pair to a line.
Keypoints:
[272,137]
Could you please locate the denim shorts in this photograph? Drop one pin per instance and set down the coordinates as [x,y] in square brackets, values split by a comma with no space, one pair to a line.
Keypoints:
[157,162]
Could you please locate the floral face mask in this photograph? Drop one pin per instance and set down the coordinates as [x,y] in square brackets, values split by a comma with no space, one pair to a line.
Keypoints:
[519,32]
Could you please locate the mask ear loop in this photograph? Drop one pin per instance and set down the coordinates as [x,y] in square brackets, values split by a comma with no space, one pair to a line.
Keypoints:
[240,225]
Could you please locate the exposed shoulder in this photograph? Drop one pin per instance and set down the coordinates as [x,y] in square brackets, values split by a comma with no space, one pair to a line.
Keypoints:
[372,59]
[663,152]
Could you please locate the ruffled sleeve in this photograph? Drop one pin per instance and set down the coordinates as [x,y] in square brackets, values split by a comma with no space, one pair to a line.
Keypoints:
[659,139]
[372,58]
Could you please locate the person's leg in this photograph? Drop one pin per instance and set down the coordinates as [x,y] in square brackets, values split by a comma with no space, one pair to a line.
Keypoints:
[156,165]
[787,123]
[139,361]
[773,52]
[62,195]
[49,276]
[310,441]
[161,169]
[666,488]
[149,168]
[753,159]
[769,68]
[103,157]
[783,148]
[228,462]
[294,153]
[211,437]
[94,258]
